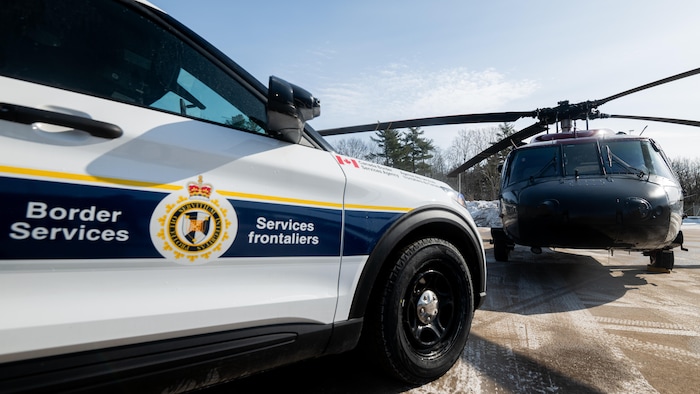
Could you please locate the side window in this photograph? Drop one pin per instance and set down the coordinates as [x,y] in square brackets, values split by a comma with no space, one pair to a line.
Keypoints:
[658,163]
[534,163]
[105,49]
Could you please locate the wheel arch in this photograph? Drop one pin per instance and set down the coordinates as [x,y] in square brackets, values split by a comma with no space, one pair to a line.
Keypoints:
[431,221]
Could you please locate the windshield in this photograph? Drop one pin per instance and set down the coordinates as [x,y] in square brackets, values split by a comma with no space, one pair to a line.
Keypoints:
[581,159]
[634,157]
[624,157]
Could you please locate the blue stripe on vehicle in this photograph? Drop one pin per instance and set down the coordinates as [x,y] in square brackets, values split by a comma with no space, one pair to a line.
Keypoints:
[26,234]
[266,230]
[363,229]
[50,220]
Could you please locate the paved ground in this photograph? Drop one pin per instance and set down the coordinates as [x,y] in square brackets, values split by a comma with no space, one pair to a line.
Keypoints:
[561,322]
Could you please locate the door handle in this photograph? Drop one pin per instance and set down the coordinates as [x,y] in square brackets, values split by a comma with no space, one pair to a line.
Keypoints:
[27,115]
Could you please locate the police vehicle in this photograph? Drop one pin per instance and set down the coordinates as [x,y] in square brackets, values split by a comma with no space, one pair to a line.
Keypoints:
[169,222]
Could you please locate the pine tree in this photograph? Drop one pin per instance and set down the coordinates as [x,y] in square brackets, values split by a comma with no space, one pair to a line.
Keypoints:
[391,151]
[419,151]
[505,130]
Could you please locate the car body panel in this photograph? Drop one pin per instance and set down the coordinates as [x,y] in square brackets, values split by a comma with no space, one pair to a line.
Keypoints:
[183,234]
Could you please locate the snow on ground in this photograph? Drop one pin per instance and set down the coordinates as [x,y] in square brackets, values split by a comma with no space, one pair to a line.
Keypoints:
[691,220]
[485,213]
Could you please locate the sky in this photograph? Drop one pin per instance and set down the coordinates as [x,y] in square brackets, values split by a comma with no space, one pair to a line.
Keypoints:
[370,61]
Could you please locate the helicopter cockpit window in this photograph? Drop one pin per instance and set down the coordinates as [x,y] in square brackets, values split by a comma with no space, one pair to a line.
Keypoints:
[581,159]
[634,157]
[534,163]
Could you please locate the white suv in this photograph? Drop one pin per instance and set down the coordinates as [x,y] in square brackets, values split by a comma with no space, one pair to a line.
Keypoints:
[166,218]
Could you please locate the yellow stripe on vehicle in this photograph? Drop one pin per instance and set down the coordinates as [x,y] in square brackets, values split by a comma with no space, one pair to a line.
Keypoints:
[298,201]
[252,196]
[376,208]
[85,178]
[264,197]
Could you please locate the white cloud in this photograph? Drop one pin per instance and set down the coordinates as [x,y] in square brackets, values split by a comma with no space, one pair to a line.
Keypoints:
[400,92]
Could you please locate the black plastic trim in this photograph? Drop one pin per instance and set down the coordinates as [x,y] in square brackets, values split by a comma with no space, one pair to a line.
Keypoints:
[192,362]
[346,336]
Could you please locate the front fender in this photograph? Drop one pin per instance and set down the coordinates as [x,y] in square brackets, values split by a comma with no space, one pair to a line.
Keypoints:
[435,221]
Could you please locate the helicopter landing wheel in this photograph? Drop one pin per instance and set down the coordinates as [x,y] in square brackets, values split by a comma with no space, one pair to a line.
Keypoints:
[660,261]
[502,245]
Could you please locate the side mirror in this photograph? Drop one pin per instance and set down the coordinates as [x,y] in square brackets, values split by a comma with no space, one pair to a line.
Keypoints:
[288,109]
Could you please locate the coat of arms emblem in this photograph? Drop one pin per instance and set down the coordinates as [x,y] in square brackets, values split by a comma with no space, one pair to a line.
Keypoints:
[196,227]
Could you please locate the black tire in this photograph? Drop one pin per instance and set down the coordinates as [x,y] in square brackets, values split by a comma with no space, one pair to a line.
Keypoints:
[501,244]
[422,315]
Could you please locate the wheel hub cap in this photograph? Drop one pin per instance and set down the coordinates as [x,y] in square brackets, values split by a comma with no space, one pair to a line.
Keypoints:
[427,307]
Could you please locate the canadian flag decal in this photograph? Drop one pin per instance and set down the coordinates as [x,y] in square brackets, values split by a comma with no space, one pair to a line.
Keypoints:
[343,160]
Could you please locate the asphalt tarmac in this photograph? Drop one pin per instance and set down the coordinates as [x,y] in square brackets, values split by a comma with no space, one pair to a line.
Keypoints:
[564,321]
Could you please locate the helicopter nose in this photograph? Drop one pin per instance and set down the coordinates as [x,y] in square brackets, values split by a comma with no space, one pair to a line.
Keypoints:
[637,208]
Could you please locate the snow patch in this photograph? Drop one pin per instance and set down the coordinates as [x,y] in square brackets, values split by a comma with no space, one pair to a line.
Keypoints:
[485,213]
[691,220]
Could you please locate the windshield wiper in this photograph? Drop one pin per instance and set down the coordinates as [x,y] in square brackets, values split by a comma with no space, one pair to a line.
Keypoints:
[632,170]
[552,162]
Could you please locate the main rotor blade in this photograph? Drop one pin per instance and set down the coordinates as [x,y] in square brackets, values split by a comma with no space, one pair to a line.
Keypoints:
[499,146]
[657,119]
[649,85]
[494,117]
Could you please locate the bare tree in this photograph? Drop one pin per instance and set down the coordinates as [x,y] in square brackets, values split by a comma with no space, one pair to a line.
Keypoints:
[355,147]
[481,181]
[688,172]
[465,145]
[439,167]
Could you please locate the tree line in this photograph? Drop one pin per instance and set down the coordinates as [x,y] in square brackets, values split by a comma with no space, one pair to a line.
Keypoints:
[409,150]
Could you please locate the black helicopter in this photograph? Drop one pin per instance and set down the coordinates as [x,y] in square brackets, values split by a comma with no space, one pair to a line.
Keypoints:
[587,189]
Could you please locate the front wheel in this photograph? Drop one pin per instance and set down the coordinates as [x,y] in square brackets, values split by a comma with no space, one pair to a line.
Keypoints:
[501,244]
[421,318]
